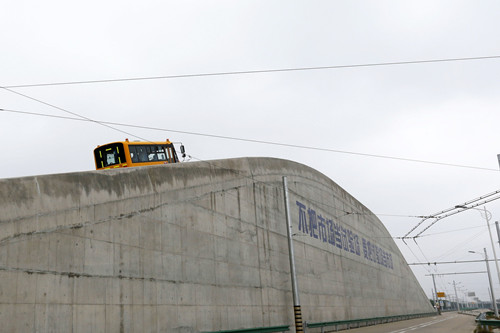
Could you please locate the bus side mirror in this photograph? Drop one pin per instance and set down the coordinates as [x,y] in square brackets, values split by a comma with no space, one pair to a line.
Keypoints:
[183,151]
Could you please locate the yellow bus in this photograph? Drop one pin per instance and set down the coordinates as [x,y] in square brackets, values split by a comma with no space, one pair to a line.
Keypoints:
[133,154]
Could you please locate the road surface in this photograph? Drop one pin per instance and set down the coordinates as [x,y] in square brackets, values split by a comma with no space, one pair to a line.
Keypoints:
[448,322]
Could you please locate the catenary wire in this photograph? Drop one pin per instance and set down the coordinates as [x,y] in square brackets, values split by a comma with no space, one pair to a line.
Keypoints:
[446,232]
[449,262]
[453,213]
[262,71]
[454,210]
[459,245]
[247,140]
[83,118]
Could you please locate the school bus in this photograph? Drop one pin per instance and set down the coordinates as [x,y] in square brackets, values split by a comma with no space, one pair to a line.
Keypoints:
[133,154]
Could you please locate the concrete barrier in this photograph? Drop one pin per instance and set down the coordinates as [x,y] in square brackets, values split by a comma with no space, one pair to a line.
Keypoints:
[192,247]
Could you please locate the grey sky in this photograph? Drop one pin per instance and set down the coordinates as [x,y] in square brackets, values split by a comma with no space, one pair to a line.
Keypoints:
[444,112]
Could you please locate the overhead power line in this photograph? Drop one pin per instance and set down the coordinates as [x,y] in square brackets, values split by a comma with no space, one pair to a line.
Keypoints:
[452,211]
[247,140]
[449,262]
[449,231]
[80,117]
[459,273]
[261,71]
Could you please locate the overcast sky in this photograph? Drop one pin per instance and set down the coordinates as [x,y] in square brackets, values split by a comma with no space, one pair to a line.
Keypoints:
[443,112]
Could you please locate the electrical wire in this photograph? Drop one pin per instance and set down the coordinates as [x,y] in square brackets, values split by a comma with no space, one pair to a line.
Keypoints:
[452,211]
[416,257]
[459,245]
[82,118]
[421,251]
[244,139]
[428,268]
[262,71]
[446,232]
[448,262]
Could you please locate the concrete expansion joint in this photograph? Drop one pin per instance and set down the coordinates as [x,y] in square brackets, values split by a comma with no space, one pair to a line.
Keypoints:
[141,212]
[52,213]
[74,225]
[85,275]
[64,227]
[88,206]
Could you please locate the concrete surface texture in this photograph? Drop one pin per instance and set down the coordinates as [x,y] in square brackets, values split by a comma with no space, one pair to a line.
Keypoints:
[192,247]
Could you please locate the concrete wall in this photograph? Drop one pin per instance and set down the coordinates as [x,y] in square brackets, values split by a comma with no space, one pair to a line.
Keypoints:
[192,247]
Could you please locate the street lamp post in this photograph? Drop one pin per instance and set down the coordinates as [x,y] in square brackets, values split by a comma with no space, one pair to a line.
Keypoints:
[493,299]
[487,216]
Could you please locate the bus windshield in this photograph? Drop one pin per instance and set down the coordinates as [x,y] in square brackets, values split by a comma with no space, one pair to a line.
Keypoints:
[109,155]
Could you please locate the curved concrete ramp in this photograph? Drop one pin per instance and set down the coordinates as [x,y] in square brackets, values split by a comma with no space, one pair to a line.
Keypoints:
[192,247]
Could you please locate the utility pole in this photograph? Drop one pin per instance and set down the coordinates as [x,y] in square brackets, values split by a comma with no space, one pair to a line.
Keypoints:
[498,232]
[492,244]
[489,292]
[456,295]
[435,290]
[491,284]
[295,290]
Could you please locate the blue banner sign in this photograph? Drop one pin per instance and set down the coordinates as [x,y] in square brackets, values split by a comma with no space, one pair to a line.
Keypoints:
[326,230]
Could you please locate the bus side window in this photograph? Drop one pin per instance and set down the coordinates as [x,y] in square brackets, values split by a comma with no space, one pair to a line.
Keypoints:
[133,154]
[141,152]
[151,151]
[161,153]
